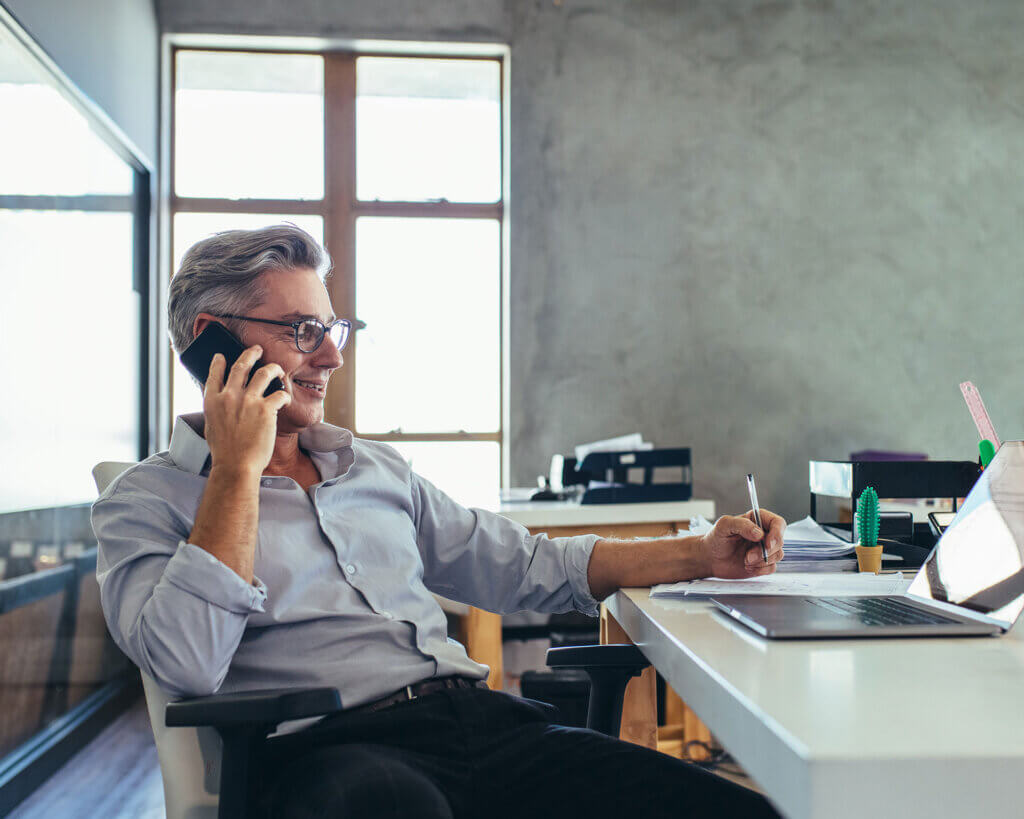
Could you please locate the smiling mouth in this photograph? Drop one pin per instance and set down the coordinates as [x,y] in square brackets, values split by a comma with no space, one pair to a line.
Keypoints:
[314,387]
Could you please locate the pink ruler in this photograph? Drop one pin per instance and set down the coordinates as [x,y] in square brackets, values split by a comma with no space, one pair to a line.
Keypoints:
[978,412]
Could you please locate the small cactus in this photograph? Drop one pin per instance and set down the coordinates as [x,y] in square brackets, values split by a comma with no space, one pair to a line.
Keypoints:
[867,517]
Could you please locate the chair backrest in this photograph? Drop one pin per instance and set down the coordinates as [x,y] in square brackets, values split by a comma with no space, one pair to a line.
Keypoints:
[189,757]
[105,471]
[190,784]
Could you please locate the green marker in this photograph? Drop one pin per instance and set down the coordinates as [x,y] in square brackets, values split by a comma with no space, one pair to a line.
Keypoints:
[987,451]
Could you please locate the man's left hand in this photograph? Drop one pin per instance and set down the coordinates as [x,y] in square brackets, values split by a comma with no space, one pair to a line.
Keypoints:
[732,549]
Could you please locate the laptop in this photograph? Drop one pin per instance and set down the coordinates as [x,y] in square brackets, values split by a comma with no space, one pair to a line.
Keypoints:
[972,583]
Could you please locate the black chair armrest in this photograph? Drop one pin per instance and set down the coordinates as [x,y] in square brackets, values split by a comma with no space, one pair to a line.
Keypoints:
[243,720]
[268,707]
[610,668]
[623,656]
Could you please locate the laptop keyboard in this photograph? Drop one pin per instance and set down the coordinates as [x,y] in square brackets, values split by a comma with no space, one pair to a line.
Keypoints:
[880,611]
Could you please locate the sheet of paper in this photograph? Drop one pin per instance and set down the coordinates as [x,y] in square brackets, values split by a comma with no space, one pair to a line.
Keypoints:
[806,531]
[798,583]
[634,441]
[831,564]
[805,539]
[809,530]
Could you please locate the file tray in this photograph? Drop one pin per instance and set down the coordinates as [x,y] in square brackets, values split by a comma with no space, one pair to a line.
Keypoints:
[891,479]
[640,476]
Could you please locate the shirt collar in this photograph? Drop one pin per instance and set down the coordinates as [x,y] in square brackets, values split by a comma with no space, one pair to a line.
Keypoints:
[190,451]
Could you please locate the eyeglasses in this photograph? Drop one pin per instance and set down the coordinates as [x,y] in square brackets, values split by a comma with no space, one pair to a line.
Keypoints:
[310,332]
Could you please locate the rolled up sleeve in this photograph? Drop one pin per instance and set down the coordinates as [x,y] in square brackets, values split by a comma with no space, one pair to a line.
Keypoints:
[196,571]
[173,608]
[488,561]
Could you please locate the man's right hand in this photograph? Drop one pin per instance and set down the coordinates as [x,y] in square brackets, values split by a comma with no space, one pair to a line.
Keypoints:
[241,424]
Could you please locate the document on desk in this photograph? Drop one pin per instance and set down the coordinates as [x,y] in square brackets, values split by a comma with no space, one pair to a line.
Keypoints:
[805,584]
[809,548]
[806,539]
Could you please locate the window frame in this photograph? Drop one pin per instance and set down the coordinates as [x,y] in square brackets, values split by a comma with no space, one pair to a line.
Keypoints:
[340,208]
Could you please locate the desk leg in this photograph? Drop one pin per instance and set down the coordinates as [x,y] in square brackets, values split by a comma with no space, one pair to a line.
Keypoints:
[481,635]
[681,726]
[640,706]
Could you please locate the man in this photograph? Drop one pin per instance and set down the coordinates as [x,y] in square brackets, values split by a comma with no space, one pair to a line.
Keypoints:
[266,549]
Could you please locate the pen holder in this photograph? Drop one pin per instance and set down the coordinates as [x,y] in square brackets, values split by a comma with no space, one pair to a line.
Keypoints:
[869,558]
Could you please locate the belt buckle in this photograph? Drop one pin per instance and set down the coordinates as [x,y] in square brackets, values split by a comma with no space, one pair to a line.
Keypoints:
[409,692]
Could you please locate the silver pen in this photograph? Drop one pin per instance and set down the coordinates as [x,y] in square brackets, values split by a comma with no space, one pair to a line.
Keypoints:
[757,512]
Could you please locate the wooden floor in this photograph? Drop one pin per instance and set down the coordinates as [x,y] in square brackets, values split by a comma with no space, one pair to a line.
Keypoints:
[116,776]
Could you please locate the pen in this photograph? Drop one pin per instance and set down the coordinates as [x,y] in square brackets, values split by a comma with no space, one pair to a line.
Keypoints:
[757,512]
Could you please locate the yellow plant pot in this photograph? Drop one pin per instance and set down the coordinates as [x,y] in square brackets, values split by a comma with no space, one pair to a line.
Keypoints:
[869,558]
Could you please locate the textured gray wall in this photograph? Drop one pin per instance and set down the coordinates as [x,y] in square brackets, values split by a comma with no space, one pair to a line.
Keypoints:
[771,231]
[455,20]
[110,50]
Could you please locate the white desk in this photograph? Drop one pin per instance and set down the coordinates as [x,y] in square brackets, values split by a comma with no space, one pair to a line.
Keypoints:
[848,728]
[540,516]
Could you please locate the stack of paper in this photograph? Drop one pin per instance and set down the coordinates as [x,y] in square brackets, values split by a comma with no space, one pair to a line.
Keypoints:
[807,539]
[808,547]
[633,442]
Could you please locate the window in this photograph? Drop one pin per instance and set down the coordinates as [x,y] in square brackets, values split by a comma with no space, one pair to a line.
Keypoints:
[75,279]
[74,350]
[395,163]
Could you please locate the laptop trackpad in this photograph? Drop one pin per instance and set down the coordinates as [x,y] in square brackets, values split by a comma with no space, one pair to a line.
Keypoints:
[790,615]
[769,614]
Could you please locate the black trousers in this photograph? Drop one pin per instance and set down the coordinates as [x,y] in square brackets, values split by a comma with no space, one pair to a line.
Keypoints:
[464,753]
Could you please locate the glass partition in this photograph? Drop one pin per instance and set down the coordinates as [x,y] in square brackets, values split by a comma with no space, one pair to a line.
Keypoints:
[74,217]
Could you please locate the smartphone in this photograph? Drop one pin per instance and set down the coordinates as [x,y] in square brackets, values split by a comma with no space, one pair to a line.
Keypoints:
[939,521]
[216,338]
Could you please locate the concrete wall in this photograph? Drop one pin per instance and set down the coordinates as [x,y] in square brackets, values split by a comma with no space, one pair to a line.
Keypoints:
[454,20]
[771,231]
[110,50]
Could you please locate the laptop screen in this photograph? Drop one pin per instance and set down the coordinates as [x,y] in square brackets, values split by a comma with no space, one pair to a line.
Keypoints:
[978,562]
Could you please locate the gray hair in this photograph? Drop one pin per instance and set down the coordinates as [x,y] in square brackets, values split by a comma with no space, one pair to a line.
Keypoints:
[221,274]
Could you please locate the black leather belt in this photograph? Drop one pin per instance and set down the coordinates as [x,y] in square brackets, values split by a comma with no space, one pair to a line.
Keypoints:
[420,689]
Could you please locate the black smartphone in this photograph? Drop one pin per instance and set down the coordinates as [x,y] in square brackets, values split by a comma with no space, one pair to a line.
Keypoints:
[216,338]
[939,521]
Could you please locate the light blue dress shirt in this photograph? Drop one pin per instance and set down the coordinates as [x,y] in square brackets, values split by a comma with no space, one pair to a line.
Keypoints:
[343,574]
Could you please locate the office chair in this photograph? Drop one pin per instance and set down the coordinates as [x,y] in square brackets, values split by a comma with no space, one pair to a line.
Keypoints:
[206,745]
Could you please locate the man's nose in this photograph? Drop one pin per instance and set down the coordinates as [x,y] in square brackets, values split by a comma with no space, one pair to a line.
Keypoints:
[328,355]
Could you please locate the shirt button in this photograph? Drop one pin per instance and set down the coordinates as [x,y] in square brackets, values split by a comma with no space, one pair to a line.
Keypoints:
[350,568]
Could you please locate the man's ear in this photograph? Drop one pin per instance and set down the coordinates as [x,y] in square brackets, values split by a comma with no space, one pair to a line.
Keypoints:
[200,323]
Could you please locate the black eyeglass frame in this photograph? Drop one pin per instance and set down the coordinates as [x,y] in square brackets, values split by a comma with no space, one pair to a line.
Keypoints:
[325,329]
